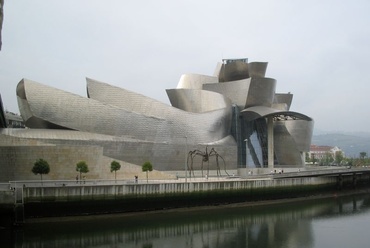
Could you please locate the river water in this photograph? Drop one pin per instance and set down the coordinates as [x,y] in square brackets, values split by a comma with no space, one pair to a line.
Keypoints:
[331,222]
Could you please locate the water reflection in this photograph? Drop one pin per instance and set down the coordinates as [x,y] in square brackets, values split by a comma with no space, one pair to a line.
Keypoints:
[282,225]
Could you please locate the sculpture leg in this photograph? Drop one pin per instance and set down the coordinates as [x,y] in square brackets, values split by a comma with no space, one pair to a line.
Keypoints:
[218,167]
[208,168]
[201,167]
[191,169]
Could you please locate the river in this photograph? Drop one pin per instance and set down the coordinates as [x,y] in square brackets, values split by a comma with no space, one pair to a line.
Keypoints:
[330,222]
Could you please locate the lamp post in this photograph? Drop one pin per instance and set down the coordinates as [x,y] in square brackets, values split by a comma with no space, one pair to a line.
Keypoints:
[186,157]
[246,154]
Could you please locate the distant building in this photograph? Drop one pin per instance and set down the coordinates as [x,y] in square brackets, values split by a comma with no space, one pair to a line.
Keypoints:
[14,120]
[320,152]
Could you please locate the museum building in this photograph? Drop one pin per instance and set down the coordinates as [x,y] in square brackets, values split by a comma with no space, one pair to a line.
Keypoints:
[235,112]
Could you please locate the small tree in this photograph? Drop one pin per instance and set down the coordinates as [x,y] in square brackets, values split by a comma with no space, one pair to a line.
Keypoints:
[82,167]
[327,159]
[363,155]
[307,157]
[313,158]
[115,166]
[147,166]
[41,167]
[339,157]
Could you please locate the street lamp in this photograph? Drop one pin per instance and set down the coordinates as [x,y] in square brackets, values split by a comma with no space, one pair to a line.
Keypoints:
[246,154]
[186,158]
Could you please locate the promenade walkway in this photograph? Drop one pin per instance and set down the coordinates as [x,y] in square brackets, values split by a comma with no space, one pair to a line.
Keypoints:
[325,172]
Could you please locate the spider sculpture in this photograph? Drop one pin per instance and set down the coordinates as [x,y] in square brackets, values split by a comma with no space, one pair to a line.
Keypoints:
[205,158]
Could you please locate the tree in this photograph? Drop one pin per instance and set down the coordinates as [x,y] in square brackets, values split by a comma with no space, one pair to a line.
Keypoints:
[363,155]
[339,157]
[41,167]
[147,166]
[115,166]
[327,159]
[313,158]
[350,162]
[307,157]
[82,167]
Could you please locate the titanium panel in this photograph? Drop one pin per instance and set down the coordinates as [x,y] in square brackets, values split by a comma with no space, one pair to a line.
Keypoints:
[301,132]
[125,99]
[261,92]
[257,69]
[195,81]
[232,71]
[197,101]
[236,91]
[256,112]
[281,98]
[89,115]
[286,151]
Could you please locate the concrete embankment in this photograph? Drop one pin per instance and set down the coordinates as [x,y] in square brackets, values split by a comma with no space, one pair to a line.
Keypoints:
[82,199]
[6,207]
[54,201]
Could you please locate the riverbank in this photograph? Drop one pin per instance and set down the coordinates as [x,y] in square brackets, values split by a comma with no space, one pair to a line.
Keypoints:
[364,190]
[213,226]
[103,199]
[55,200]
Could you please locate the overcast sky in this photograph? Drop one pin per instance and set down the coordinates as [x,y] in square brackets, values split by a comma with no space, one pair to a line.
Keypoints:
[317,50]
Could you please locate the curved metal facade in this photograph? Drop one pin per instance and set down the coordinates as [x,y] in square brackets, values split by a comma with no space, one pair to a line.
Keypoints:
[197,101]
[125,113]
[222,110]
[195,81]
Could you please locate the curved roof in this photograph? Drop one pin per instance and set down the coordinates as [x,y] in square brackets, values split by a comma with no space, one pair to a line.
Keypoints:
[283,98]
[124,99]
[233,70]
[257,69]
[236,91]
[195,81]
[197,101]
[246,92]
[256,112]
[112,113]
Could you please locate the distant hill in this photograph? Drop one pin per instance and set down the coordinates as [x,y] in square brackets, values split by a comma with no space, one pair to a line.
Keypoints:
[351,143]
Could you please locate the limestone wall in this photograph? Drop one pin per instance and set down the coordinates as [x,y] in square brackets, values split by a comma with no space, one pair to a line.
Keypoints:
[17,162]
[18,156]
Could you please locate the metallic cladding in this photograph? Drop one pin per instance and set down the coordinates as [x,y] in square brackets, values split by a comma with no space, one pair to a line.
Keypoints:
[135,116]
[301,132]
[195,81]
[132,127]
[283,98]
[257,112]
[197,101]
[257,69]
[261,92]
[236,91]
[286,150]
[232,71]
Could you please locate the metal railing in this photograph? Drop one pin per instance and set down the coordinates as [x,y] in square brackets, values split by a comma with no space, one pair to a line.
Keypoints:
[4,186]
[100,182]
